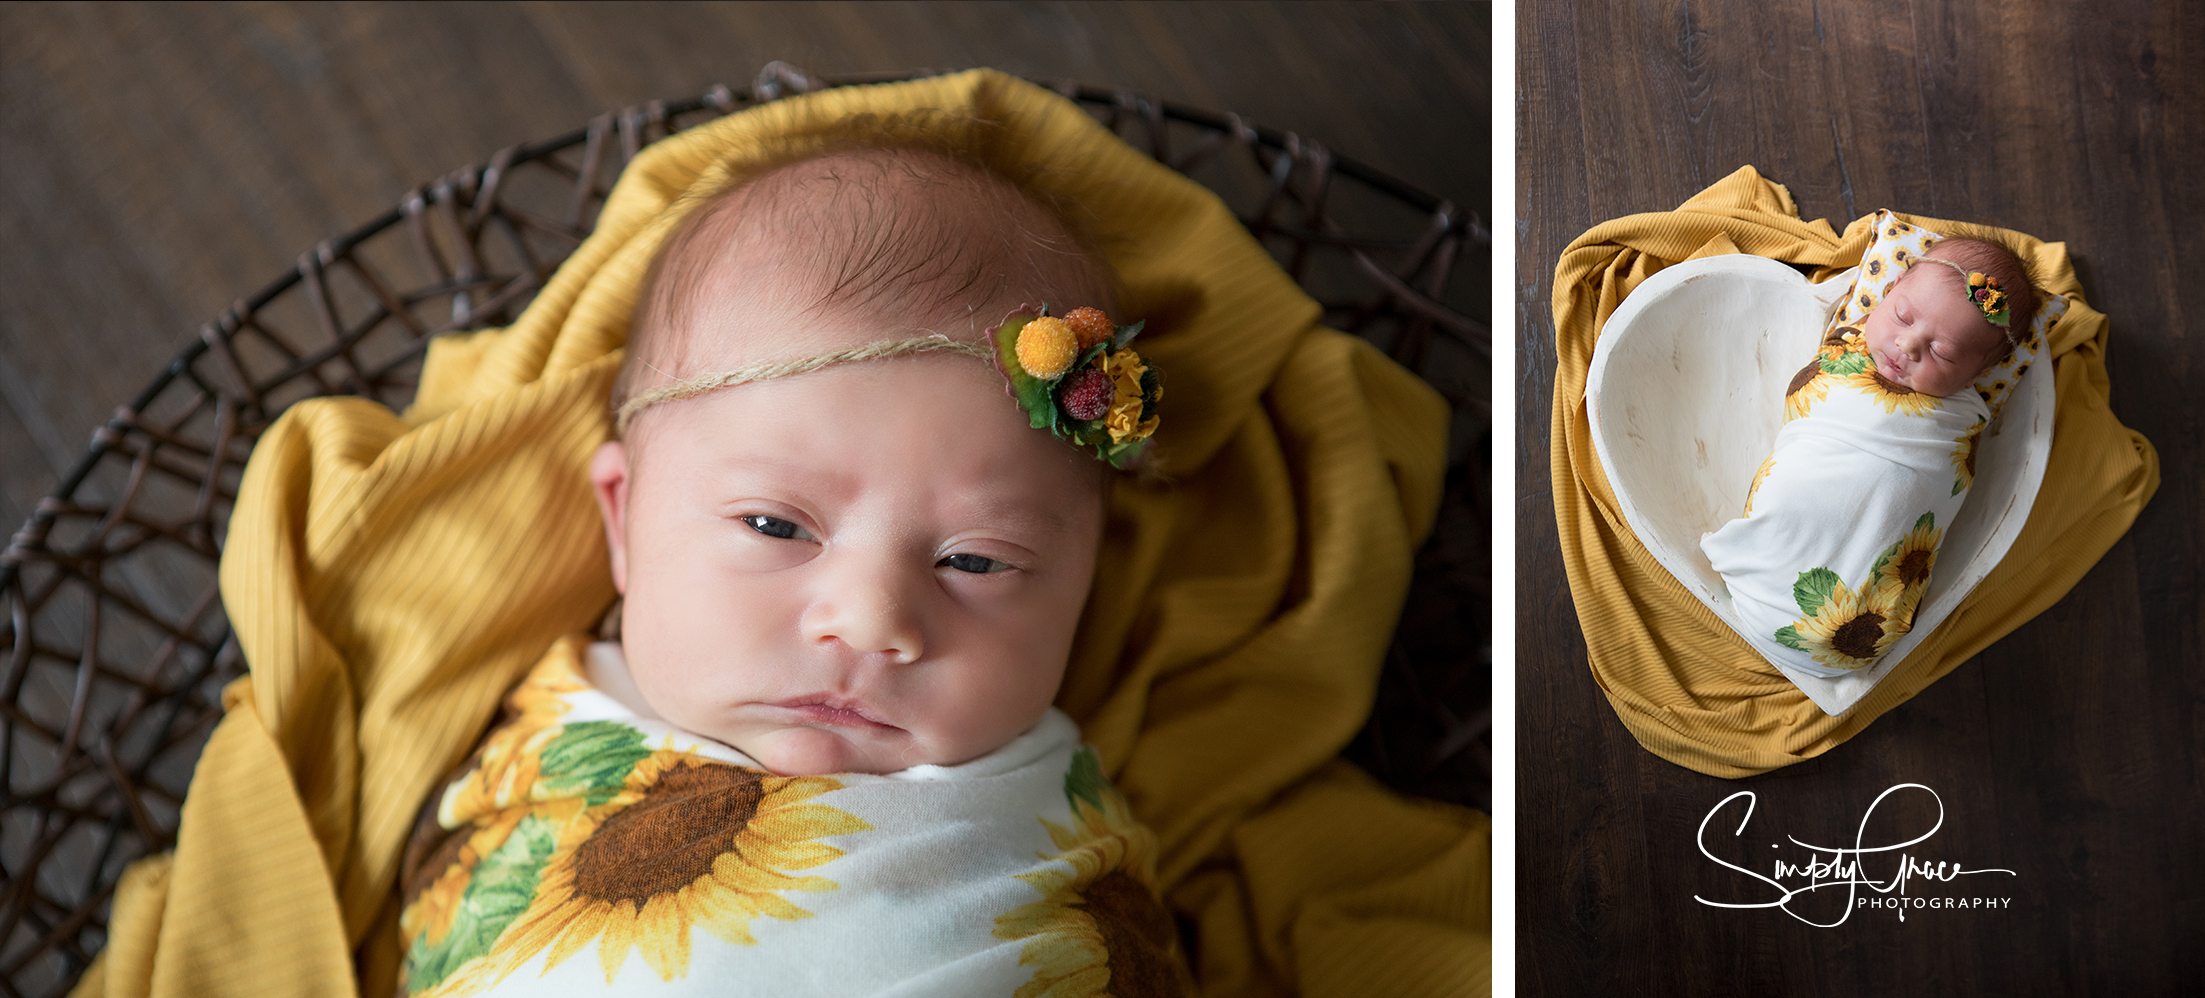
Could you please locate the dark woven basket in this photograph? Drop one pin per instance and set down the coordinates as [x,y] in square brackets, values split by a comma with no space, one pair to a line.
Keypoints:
[116,644]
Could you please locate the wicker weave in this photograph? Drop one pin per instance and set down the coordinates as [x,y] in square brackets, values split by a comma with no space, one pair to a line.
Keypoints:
[116,644]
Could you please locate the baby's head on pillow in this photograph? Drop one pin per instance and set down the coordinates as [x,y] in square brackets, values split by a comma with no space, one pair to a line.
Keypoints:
[1933,334]
[875,564]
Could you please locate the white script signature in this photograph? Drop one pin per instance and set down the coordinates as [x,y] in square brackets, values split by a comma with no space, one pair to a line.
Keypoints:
[1837,866]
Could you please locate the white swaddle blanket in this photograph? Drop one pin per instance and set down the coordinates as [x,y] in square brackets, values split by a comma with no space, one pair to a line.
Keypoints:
[1843,521]
[586,849]
[1841,527]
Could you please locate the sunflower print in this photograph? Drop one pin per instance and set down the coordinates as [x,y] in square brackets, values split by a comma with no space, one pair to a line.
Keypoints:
[1845,628]
[1098,928]
[687,843]
[1755,488]
[474,851]
[1893,396]
[559,834]
[1842,354]
[1907,564]
[1963,456]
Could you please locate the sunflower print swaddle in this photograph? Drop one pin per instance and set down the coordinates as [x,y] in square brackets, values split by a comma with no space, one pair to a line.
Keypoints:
[583,848]
[1841,527]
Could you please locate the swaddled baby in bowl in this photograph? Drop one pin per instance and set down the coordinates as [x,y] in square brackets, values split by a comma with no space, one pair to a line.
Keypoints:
[822,757]
[1841,527]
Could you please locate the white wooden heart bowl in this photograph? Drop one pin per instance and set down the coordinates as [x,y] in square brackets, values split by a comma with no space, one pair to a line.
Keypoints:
[1686,394]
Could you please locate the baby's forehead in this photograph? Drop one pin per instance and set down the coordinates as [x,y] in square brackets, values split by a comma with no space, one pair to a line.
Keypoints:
[937,430]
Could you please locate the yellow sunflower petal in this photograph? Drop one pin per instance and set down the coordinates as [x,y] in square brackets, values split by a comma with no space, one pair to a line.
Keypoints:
[567,936]
[804,821]
[783,791]
[662,937]
[618,936]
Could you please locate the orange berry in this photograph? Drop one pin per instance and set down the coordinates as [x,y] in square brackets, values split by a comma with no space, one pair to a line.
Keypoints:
[1091,325]
[1047,347]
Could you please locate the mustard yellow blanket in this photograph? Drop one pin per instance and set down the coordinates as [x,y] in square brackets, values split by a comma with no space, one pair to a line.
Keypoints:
[1688,687]
[392,576]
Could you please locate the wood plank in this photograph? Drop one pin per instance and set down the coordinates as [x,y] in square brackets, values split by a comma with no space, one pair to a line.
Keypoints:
[2065,752]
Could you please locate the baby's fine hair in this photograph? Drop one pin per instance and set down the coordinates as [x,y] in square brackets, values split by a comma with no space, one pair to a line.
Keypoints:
[919,219]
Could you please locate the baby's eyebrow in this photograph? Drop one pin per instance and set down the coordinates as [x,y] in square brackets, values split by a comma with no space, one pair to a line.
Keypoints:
[1024,514]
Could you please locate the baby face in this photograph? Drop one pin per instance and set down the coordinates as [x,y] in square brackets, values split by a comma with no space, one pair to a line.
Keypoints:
[859,569]
[1927,335]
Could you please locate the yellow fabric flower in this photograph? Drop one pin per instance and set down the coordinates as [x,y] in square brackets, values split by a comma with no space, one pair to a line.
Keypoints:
[1125,369]
[1047,347]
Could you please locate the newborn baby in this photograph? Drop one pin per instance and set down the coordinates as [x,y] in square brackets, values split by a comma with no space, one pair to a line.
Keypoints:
[1841,527]
[822,757]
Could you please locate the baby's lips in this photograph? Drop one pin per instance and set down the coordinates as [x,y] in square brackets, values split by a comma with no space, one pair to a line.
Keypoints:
[839,711]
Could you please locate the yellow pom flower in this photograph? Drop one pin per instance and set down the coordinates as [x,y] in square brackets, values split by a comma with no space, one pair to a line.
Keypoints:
[1047,347]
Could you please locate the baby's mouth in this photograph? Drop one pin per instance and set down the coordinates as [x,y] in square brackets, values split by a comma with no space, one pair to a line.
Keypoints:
[823,708]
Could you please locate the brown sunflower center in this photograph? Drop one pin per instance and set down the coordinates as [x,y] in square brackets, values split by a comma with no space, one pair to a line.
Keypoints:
[1970,461]
[667,840]
[1889,386]
[1137,932]
[1914,568]
[1857,637]
[1805,375]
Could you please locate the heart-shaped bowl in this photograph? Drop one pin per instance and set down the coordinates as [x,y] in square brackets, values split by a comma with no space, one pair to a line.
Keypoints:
[1686,394]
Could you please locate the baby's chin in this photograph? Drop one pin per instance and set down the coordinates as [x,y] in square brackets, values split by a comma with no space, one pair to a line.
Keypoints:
[810,751]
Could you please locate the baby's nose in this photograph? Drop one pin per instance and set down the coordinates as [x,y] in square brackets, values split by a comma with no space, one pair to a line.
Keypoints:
[872,609]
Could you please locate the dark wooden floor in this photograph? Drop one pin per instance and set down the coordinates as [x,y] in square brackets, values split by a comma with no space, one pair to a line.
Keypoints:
[2068,752]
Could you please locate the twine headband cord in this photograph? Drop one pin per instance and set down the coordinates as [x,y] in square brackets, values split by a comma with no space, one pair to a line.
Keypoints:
[1076,376]
[771,369]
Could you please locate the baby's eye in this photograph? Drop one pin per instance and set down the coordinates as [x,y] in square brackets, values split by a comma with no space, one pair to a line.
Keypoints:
[774,526]
[973,563]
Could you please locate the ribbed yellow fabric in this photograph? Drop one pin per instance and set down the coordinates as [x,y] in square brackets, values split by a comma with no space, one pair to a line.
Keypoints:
[390,576]
[1687,687]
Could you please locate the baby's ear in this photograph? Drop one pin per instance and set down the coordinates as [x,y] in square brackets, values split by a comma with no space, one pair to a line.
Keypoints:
[609,483]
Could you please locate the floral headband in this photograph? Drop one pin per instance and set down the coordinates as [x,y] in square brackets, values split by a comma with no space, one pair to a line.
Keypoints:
[1984,293]
[1078,378]
[1075,376]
